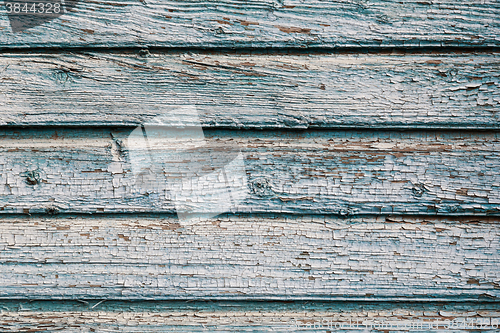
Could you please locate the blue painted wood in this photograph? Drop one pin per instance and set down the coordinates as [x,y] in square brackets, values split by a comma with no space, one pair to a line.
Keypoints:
[250,256]
[329,172]
[399,91]
[315,223]
[242,316]
[259,23]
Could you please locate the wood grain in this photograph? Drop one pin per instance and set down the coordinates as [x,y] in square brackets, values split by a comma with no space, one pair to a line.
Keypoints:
[258,23]
[250,257]
[339,204]
[253,90]
[224,316]
[333,172]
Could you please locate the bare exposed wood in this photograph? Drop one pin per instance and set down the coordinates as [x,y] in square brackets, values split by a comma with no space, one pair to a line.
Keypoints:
[224,316]
[261,23]
[253,90]
[334,172]
[248,257]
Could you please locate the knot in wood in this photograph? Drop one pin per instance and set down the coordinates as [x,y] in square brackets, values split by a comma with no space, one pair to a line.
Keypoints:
[52,210]
[219,31]
[346,211]
[144,53]
[261,187]
[418,190]
[33,177]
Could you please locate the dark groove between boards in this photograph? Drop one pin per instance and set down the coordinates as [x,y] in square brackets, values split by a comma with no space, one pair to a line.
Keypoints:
[259,49]
[479,299]
[388,217]
[207,129]
[272,305]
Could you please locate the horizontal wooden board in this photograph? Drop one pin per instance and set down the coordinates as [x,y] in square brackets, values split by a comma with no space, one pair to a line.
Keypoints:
[333,172]
[223,316]
[253,90]
[258,23]
[250,257]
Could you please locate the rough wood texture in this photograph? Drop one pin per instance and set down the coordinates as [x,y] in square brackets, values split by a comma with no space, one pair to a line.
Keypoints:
[261,23]
[334,172]
[221,316]
[249,257]
[254,90]
[314,223]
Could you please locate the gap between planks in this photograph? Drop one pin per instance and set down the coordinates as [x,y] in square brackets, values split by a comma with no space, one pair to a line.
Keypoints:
[146,50]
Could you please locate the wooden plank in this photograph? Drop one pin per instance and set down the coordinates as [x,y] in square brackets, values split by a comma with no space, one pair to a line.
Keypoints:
[225,316]
[250,257]
[253,90]
[332,172]
[259,23]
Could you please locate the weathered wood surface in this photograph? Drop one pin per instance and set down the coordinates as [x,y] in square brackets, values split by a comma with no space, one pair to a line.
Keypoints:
[250,257]
[222,316]
[259,23]
[283,241]
[253,90]
[333,172]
